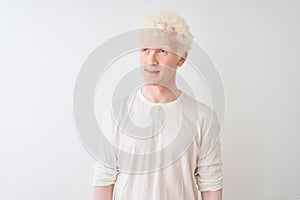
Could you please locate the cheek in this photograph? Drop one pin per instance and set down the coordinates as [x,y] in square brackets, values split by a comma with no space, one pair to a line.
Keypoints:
[172,62]
[142,59]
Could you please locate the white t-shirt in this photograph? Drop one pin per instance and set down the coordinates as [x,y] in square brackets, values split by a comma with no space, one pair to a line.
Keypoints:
[162,150]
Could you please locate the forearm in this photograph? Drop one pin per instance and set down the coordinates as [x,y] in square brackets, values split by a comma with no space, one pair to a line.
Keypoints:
[212,195]
[103,192]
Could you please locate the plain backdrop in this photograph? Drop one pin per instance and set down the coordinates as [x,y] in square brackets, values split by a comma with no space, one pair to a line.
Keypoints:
[254,44]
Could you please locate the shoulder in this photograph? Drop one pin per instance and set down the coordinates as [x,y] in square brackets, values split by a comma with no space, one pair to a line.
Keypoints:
[203,109]
[201,114]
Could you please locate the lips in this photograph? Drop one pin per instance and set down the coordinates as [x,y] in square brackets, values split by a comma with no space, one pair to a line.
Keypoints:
[152,71]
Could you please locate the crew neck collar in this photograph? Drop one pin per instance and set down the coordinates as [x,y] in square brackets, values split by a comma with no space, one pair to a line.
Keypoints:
[151,103]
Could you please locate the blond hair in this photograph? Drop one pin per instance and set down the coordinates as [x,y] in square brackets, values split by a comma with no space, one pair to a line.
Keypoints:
[166,20]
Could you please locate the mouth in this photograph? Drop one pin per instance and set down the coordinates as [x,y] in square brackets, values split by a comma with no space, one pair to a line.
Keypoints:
[152,71]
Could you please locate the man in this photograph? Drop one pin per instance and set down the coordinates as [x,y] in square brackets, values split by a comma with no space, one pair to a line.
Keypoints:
[175,118]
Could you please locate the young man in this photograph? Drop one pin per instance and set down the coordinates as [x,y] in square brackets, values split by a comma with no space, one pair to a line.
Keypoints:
[175,118]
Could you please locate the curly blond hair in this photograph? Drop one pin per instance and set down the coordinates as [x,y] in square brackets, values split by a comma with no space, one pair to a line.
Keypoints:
[167,20]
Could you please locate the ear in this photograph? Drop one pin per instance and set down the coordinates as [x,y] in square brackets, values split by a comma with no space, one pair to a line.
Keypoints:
[182,60]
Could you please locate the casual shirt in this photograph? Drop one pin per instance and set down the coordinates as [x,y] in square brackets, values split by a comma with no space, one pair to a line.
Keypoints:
[187,128]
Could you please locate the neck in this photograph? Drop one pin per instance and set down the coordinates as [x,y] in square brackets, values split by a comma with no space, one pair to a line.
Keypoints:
[160,94]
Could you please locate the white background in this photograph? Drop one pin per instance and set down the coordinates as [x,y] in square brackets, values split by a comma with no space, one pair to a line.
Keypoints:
[254,44]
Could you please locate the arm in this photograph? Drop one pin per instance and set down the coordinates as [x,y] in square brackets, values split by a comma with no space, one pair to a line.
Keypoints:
[208,173]
[103,192]
[212,195]
[105,171]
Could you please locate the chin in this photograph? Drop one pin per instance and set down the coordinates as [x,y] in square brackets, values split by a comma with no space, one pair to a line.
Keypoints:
[151,83]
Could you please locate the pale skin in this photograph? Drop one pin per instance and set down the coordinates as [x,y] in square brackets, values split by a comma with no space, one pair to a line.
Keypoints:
[158,66]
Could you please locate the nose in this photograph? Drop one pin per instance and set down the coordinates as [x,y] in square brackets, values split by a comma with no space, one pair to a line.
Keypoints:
[152,59]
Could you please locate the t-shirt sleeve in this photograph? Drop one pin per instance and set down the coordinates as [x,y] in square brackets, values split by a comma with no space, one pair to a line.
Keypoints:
[103,175]
[105,171]
[208,173]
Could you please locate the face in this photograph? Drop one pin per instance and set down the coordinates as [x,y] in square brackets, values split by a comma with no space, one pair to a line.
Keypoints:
[159,65]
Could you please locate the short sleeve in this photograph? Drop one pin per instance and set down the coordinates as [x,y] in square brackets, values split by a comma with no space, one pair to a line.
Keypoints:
[208,173]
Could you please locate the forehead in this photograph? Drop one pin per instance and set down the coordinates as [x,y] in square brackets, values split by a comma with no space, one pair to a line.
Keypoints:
[161,39]
[154,49]
[157,50]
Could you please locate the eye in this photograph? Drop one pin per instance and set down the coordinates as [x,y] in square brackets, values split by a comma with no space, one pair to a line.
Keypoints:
[162,51]
[144,50]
